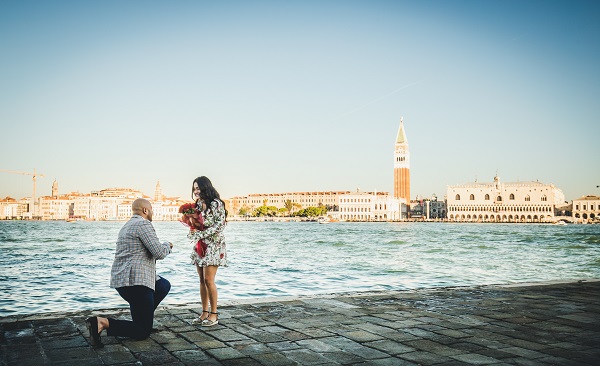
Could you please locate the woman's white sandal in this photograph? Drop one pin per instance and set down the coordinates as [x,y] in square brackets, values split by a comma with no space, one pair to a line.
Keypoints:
[209,323]
[199,319]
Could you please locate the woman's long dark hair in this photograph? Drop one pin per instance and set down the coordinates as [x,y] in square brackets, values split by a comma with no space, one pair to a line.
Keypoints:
[208,193]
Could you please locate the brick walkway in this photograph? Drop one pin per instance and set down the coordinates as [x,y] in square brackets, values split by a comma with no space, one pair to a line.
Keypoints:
[540,324]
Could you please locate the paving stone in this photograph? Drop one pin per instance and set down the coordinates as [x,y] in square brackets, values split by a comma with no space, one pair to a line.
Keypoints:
[246,361]
[361,336]
[210,344]
[266,337]
[273,359]
[317,346]
[305,357]
[178,344]
[196,336]
[343,357]
[64,354]
[23,354]
[355,348]
[476,359]
[316,332]
[226,335]
[529,354]
[421,357]
[20,336]
[293,335]
[225,353]
[157,357]
[253,349]
[115,354]
[283,346]
[191,356]
[525,344]
[390,347]
[140,346]
[391,361]
[63,342]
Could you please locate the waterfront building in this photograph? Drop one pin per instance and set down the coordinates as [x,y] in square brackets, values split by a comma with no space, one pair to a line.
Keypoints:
[428,208]
[9,208]
[586,209]
[402,166]
[341,205]
[503,202]
[369,206]
[278,200]
[56,208]
[81,206]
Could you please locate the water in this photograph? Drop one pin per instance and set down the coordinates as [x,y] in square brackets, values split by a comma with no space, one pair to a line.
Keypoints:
[60,266]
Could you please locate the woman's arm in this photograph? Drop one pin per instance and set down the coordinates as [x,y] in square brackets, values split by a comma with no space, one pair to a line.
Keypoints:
[218,212]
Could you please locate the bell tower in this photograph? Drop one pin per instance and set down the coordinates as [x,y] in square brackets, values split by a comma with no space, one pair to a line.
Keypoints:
[402,165]
[158,194]
[55,189]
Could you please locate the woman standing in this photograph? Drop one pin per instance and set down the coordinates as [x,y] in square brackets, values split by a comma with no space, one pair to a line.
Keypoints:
[212,209]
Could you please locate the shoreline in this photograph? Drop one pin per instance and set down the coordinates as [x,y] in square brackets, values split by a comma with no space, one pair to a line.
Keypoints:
[276,299]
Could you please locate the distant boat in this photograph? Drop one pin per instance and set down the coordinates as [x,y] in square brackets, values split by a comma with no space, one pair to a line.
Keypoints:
[560,223]
[322,220]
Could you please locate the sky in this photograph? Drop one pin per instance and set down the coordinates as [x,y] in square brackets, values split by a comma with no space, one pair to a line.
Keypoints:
[288,96]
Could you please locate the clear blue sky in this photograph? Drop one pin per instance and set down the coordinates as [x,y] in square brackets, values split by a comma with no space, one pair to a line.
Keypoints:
[278,96]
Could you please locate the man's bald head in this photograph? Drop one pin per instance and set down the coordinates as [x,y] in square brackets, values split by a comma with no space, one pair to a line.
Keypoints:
[142,207]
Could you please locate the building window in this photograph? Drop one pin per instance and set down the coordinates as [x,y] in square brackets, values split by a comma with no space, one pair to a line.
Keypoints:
[544,198]
[527,198]
[511,197]
[487,197]
[472,197]
[457,197]
[499,198]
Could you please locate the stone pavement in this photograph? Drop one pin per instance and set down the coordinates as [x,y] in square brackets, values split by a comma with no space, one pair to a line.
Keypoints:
[535,324]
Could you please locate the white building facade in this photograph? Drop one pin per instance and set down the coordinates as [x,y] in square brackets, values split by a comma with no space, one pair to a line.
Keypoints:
[9,208]
[369,206]
[503,202]
[342,205]
[586,209]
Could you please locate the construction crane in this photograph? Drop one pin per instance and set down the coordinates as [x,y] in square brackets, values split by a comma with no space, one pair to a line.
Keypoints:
[34,177]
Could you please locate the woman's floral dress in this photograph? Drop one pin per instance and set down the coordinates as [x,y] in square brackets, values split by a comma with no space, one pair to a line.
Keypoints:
[214,224]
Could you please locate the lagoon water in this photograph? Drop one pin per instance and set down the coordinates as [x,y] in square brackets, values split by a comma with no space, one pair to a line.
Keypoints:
[60,266]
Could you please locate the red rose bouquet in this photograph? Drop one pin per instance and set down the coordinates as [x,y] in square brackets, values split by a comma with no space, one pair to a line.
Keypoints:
[192,218]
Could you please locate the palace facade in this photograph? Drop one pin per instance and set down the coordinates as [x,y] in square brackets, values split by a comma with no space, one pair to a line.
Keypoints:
[503,202]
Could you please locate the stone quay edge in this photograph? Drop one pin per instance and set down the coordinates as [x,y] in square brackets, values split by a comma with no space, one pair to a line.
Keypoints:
[549,323]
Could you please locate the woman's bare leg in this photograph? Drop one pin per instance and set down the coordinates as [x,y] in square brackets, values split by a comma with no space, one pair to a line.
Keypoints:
[209,282]
[203,293]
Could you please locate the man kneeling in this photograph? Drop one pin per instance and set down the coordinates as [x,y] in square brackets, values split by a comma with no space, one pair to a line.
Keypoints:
[134,277]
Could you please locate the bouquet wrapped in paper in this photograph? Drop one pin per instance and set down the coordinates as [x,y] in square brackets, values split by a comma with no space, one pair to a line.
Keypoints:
[192,218]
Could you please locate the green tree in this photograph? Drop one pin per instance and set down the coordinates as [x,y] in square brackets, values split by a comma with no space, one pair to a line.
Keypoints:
[265,211]
[289,206]
[244,210]
[312,211]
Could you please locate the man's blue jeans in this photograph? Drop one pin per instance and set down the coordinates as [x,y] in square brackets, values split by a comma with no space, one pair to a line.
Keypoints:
[142,303]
